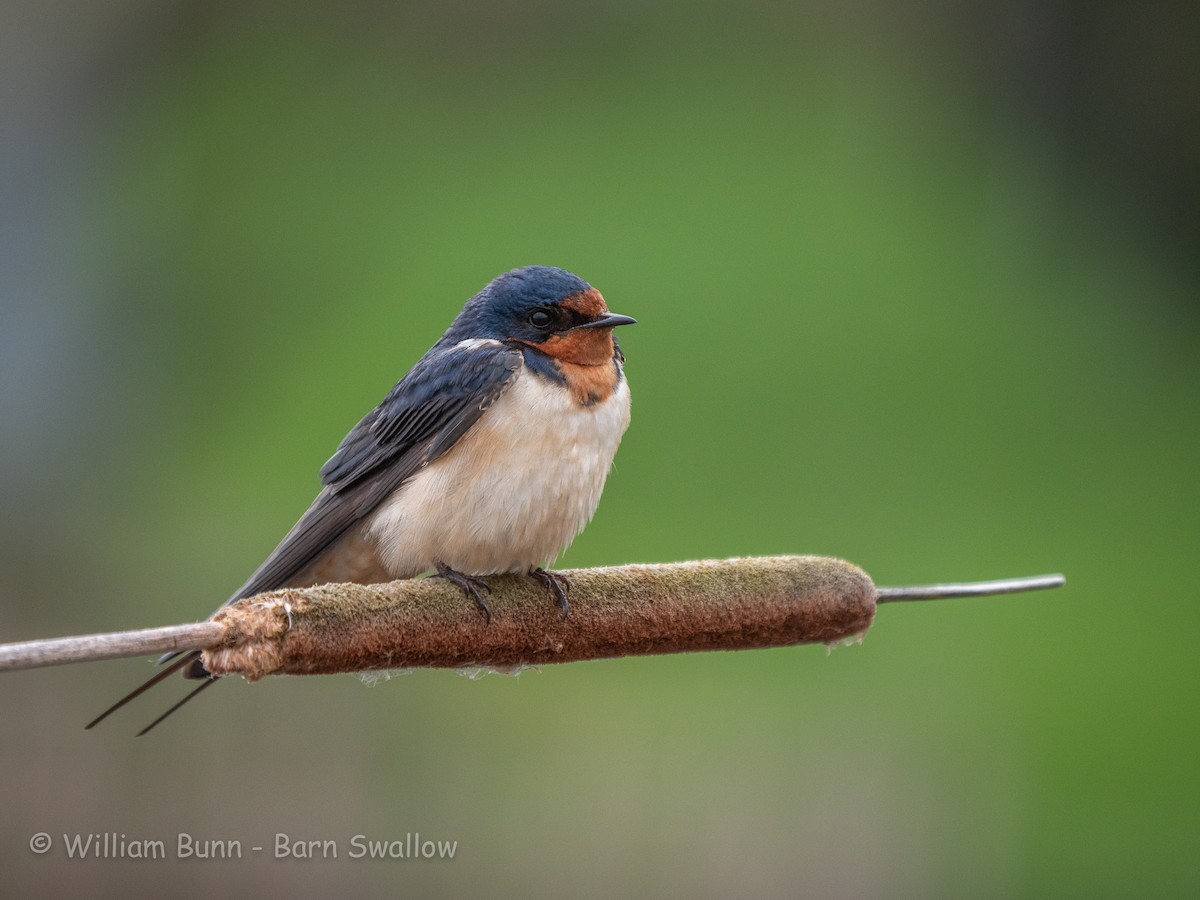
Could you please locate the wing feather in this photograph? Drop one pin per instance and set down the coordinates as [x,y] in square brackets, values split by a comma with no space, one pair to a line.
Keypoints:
[420,419]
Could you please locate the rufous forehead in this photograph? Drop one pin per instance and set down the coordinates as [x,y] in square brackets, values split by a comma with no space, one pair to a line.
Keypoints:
[587,303]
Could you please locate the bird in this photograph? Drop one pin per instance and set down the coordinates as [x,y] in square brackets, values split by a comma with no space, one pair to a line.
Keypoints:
[489,456]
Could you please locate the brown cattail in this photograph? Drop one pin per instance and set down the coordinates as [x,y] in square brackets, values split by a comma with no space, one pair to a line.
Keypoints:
[620,611]
[732,604]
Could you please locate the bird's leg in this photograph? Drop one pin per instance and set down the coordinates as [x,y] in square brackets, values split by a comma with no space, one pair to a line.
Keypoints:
[471,586]
[556,584]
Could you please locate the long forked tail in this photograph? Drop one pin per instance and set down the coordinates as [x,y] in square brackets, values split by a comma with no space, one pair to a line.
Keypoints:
[207,682]
[186,659]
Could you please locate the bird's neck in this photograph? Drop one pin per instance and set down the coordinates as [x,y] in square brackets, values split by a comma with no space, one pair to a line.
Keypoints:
[591,384]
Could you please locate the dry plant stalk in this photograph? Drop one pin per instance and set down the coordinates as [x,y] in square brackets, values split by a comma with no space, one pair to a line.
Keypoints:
[732,604]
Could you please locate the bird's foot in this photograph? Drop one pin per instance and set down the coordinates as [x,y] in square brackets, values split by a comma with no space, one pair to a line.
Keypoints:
[556,584]
[470,585]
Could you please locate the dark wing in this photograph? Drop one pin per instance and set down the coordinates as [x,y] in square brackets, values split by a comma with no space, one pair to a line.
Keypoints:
[421,418]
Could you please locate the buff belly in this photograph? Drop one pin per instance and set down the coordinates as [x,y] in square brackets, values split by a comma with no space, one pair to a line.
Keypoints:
[512,493]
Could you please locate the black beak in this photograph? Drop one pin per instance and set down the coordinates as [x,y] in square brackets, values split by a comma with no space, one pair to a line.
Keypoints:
[607,320]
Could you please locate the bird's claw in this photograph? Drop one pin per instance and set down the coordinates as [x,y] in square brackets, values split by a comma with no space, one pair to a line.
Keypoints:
[556,584]
[470,585]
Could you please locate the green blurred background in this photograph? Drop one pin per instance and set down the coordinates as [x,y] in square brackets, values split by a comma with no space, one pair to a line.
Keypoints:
[916,287]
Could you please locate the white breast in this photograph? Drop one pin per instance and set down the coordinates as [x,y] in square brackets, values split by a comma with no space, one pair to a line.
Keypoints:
[513,492]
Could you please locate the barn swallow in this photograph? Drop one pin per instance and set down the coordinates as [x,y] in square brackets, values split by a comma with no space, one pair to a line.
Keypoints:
[488,457]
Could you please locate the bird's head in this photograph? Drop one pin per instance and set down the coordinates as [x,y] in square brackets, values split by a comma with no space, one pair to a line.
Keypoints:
[547,308]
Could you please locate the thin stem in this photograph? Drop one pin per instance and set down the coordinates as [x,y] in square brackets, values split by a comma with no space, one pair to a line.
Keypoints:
[970,589]
[112,645]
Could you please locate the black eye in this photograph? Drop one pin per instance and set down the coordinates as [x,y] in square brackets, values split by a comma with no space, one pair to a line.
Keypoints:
[541,318]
